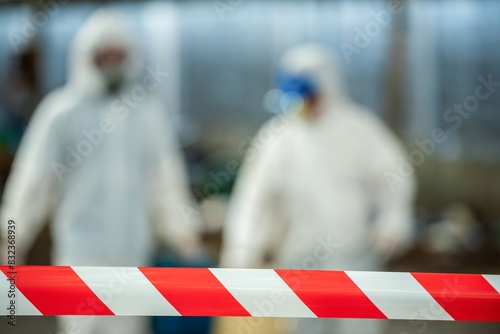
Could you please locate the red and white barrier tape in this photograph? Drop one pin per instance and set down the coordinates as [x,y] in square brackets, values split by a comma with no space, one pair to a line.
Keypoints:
[52,291]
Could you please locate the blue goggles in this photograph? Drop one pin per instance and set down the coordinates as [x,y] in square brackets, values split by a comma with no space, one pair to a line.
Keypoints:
[291,83]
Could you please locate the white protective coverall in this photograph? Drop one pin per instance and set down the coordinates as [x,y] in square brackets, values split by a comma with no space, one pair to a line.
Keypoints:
[320,182]
[103,168]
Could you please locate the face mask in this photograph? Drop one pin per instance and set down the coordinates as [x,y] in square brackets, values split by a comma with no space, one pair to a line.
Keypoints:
[114,75]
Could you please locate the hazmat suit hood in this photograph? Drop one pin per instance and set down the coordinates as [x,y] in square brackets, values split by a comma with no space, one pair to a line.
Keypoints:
[318,65]
[104,28]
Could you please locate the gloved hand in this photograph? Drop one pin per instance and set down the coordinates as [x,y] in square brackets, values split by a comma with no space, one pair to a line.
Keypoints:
[389,247]
[190,249]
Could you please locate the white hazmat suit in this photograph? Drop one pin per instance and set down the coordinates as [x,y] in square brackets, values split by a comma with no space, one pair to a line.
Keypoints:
[320,182]
[102,167]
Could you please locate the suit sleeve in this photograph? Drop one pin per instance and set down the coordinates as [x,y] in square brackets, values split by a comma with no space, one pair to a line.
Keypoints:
[253,209]
[172,211]
[394,190]
[31,188]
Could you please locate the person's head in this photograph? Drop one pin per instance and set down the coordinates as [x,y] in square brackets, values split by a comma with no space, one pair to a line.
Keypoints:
[110,60]
[104,55]
[309,74]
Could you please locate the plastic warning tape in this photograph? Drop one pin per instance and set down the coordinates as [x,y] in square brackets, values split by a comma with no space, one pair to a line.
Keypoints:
[48,291]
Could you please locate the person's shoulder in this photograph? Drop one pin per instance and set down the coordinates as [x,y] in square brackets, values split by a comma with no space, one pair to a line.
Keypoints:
[368,121]
[378,133]
[271,139]
[278,127]
[364,115]
[57,104]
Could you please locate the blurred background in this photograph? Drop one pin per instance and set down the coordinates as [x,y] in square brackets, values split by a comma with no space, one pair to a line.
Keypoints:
[411,67]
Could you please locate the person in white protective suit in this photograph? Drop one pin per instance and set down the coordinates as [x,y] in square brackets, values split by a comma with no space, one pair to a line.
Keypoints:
[99,161]
[318,179]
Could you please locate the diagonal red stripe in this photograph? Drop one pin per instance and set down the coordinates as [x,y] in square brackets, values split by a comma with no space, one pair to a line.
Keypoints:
[464,296]
[194,292]
[57,291]
[330,294]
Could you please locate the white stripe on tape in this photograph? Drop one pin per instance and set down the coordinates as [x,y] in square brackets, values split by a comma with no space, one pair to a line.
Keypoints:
[399,295]
[262,293]
[21,303]
[494,280]
[25,306]
[125,291]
